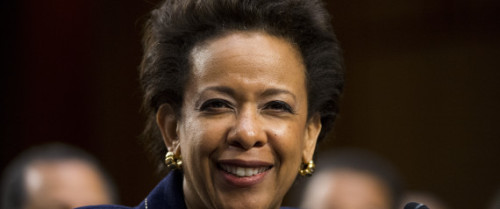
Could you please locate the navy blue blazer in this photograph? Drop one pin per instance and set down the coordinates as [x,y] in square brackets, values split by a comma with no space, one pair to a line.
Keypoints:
[167,194]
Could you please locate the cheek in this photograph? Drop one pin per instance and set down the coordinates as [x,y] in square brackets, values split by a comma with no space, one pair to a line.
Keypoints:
[201,137]
[288,140]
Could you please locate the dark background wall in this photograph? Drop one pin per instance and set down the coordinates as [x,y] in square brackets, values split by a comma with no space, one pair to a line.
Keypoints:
[422,88]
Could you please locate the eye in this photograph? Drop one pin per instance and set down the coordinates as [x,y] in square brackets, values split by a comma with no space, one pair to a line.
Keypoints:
[279,106]
[215,105]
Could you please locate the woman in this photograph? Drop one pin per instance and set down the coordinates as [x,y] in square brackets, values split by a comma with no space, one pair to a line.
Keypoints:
[237,93]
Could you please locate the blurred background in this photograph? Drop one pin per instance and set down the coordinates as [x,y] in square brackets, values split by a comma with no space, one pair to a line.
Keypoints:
[422,88]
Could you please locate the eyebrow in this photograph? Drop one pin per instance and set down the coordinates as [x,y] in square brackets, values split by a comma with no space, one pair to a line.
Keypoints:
[276,91]
[221,89]
[232,93]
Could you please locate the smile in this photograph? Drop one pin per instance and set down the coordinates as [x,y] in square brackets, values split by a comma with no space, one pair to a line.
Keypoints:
[243,171]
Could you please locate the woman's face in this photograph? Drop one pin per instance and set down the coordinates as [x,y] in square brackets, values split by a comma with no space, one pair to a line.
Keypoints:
[243,131]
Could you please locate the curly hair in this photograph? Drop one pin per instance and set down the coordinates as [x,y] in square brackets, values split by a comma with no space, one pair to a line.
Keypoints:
[177,26]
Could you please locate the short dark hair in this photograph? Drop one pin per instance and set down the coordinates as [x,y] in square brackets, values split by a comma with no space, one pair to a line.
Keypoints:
[363,161]
[177,26]
[13,185]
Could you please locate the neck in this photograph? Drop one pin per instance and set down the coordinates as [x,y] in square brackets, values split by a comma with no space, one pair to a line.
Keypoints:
[192,200]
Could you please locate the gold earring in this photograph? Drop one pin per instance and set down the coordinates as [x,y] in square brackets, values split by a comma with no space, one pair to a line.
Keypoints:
[172,162]
[307,169]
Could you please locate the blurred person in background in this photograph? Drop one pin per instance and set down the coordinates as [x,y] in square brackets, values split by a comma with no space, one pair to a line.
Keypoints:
[55,176]
[353,179]
[495,202]
[429,199]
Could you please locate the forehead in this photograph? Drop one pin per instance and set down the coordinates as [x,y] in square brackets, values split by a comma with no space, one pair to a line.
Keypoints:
[253,51]
[354,188]
[64,183]
[65,175]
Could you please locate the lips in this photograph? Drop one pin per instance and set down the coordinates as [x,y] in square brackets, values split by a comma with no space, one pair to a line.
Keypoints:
[243,171]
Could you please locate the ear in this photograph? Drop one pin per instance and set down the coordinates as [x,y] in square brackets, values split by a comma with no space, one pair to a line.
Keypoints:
[167,123]
[311,137]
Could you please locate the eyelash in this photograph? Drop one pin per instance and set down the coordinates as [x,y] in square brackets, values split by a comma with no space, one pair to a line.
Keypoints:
[279,105]
[214,105]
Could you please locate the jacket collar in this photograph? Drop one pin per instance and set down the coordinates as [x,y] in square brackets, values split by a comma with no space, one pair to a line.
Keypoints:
[167,194]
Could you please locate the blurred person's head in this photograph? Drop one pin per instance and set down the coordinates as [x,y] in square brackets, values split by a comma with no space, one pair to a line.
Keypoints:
[495,202]
[430,200]
[55,176]
[352,179]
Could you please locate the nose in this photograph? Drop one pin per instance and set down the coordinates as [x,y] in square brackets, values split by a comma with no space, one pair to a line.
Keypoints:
[247,131]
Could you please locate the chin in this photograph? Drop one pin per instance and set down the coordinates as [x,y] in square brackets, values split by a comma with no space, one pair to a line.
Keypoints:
[257,191]
[244,204]
[249,199]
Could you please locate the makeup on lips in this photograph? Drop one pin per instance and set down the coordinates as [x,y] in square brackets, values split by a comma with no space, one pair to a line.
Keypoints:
[241,173]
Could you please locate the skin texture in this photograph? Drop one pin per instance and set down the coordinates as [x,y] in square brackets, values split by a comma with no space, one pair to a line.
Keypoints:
[346,190]
[64,184]
[245,102]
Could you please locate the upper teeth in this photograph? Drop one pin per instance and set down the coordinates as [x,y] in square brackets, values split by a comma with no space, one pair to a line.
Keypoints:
[241,171]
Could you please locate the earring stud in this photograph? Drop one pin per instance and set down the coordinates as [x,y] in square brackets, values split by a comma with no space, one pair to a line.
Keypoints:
[173,162]
[307,169]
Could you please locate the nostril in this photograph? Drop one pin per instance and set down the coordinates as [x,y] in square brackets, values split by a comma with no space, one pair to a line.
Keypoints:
[245,146]
[235,143]
[258,144]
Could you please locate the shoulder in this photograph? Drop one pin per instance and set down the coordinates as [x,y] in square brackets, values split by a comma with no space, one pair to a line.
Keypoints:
[105,207]
[168,193]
